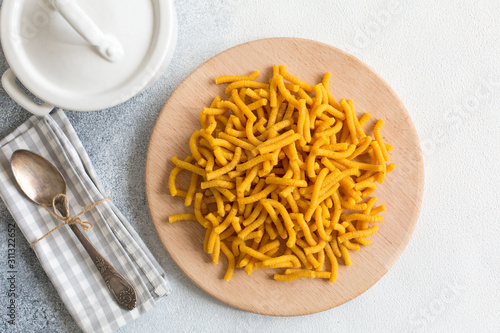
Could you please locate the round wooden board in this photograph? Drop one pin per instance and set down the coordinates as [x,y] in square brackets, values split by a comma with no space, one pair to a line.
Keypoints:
[401,193]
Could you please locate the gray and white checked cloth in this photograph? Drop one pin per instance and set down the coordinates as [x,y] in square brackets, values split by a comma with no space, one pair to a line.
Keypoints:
[63,258]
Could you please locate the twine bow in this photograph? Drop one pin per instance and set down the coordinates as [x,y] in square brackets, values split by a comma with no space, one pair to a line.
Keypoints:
[68,220]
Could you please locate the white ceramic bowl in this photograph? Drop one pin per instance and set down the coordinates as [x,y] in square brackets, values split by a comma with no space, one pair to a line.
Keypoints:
[48,55]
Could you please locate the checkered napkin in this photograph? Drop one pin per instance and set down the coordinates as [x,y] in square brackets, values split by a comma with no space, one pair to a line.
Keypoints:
[63,258]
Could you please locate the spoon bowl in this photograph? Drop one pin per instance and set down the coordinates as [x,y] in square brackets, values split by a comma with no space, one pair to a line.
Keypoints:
[38,178]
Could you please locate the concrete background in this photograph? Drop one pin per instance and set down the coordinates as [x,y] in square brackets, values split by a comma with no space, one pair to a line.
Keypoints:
[441,58]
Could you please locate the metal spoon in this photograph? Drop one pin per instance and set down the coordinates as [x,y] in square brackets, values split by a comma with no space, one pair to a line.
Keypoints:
[41,182]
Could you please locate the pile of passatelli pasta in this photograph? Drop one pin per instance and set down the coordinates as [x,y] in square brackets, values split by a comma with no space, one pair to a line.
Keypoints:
[282,176]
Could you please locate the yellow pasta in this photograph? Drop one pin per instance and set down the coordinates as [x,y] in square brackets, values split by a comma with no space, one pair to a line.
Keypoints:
[282,177]
[231,261]
[333,263]
[253,162]
[217,183]
[253,253]
[246,84]
[286,181]
[358,233]
[233,78]
[188,166]
[278,145]
[316,248]
[378,137]
[307,87]
[181,217]
[285,258]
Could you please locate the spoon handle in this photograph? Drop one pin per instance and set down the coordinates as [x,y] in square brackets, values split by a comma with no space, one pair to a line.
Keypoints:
[121,290]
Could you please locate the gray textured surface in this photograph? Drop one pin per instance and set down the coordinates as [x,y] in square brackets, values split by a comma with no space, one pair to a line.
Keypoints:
[442,60]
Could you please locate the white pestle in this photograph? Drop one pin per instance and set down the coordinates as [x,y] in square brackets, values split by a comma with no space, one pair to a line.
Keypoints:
[107,45]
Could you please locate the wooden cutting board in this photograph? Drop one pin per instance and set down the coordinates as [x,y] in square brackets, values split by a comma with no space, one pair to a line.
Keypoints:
[401,193]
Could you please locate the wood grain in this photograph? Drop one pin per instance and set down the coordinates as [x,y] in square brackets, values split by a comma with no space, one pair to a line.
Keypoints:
[401,193]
